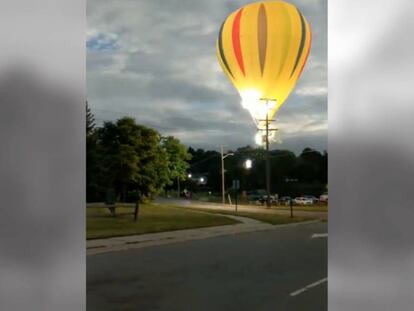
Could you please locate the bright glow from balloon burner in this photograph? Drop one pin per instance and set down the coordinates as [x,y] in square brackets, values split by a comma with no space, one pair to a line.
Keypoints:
[259,138]
[257,106]
[250,98]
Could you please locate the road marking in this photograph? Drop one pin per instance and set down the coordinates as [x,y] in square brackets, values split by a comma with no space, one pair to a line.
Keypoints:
[319,235]
[303,289]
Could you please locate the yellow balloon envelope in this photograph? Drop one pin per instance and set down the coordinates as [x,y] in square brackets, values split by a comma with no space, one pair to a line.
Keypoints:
[262,48]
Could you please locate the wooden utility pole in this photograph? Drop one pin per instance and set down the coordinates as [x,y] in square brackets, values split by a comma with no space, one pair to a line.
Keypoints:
[267,162]
[267,130]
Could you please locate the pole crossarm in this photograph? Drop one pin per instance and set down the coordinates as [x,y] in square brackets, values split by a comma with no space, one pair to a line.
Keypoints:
[269,130]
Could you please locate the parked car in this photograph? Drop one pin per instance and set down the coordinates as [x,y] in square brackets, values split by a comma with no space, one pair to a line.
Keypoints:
[255,196]
[284,200]
[273,199]
[311,197]
[303,201]
[324,198]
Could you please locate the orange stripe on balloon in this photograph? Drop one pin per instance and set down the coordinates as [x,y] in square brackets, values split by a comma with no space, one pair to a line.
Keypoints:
[236,40]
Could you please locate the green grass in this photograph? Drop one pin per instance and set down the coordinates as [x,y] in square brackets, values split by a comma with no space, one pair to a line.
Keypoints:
[152,218]
[264,217]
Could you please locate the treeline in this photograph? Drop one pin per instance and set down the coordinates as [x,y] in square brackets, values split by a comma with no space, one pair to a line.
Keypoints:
[291,175]
[126,161]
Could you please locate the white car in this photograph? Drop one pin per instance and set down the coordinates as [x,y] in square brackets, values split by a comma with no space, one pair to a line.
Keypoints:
[303,201]
[324,198]
[312,198]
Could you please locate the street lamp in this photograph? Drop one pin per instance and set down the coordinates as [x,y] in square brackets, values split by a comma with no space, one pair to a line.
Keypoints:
[189,175]
[223,190]
[201,179]
[248,164]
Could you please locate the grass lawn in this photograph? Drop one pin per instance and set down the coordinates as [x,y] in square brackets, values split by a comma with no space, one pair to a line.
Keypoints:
[264,217]
[152,218]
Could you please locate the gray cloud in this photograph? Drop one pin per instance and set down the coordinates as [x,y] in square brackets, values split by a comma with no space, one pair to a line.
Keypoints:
[165,74]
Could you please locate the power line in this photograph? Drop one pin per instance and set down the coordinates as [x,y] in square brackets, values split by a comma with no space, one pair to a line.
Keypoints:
[204,160]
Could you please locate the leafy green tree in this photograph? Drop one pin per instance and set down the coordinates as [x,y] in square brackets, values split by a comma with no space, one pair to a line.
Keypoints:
[310,165]
[90,121]
[309,169]
[92,158]
[137,160]
[177,158]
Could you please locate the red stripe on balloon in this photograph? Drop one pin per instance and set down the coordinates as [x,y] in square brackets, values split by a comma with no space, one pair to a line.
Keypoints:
[236,40]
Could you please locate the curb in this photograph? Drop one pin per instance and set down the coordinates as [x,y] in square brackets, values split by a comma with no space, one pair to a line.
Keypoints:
[122,243]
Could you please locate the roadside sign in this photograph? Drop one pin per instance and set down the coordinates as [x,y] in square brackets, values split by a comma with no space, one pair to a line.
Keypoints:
[291,180]
[236,184]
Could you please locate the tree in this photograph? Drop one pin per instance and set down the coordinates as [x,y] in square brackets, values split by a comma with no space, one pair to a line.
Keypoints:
[92,158]
[177,157]
[206,163]
[309,169]
[133,159]
[310,165]
[90,121]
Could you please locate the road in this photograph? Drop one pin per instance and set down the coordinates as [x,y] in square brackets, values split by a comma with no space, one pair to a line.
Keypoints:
[247,271]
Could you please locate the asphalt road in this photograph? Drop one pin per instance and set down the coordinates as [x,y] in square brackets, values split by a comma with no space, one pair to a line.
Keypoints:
[249,271]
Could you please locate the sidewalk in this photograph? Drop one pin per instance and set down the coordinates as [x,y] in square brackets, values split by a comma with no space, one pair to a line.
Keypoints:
[100,246]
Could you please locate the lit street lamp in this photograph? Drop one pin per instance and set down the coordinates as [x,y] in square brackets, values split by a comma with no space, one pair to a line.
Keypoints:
[248,164]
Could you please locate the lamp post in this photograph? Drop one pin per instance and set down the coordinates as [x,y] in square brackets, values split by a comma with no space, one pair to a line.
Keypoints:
[223,190]
[236,183]
[248,164]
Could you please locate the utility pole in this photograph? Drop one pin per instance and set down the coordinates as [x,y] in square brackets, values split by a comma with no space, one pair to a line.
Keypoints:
[267,130]
[267,160]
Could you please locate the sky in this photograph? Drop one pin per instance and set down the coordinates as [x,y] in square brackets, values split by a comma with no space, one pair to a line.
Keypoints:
[155,60]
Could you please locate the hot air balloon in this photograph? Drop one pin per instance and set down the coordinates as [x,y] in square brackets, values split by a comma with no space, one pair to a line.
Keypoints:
[262,48]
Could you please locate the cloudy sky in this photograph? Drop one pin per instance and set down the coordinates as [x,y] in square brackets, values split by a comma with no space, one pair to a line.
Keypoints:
[155,60]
